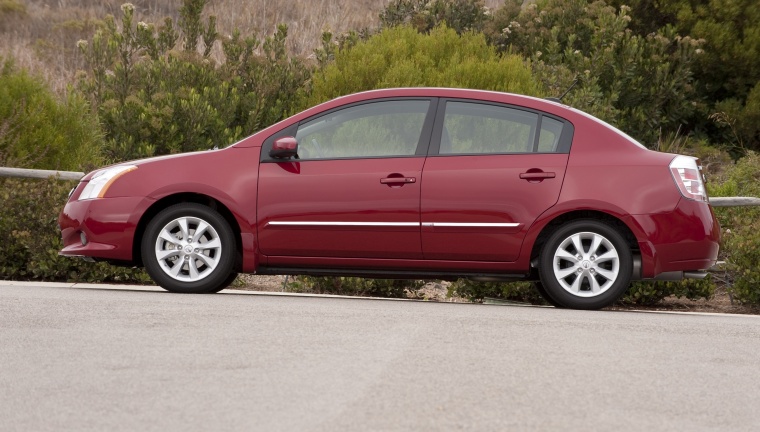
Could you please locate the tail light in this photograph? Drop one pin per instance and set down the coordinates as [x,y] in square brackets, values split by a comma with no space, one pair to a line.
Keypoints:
[688,177]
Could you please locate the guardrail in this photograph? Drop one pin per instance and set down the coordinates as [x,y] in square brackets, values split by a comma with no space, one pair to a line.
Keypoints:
[734,201]
[72,175]
[36,173]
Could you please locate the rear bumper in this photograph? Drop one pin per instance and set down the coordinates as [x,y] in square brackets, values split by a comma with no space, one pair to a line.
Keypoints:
[108,224]
[686,239]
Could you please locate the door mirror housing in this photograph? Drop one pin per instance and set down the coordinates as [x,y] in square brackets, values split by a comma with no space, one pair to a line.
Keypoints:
[284,148]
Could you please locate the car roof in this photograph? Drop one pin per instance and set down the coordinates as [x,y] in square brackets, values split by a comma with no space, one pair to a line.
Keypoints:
[486,95]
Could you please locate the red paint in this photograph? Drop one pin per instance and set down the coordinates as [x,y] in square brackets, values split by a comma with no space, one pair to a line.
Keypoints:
[603,172]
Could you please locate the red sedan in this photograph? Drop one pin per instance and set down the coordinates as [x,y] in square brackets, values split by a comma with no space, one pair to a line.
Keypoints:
[408,183]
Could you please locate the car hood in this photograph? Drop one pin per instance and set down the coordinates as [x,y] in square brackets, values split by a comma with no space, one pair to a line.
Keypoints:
[152,160]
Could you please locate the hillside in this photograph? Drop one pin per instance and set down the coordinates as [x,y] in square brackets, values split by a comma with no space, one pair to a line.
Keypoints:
[41,35]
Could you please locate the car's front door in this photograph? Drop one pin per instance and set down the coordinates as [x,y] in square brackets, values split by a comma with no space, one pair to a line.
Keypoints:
[492,171]
[354,191]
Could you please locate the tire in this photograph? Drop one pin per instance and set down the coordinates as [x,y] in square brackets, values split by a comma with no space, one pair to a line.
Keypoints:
[227,282]
[585,264]
[541,290]
[179,260]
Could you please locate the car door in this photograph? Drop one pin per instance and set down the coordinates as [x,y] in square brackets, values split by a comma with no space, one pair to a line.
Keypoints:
[354,191]
[493,169]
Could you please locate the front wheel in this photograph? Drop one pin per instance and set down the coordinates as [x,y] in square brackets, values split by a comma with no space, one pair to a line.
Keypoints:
[585,264]
[189,248]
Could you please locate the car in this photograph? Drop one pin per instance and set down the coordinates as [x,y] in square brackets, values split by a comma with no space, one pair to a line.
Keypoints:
[408,183]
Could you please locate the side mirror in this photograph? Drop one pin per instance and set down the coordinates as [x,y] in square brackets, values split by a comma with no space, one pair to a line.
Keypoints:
[284,148]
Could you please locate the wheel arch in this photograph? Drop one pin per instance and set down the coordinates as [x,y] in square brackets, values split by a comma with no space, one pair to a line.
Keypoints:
[563,218]
[186,197]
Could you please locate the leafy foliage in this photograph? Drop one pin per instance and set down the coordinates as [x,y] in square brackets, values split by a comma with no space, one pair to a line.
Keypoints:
[37,130]
[477,291]
[424,15]
[641,84]
[155,98]
[30,240]
[741,228]
[728,71]
[646,293]
[354,286]
[402,57]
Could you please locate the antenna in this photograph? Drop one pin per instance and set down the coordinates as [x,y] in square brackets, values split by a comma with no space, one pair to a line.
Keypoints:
[559,99]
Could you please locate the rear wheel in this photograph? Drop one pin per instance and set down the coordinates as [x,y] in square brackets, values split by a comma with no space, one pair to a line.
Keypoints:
[585,264]
[227,282]
[189,248]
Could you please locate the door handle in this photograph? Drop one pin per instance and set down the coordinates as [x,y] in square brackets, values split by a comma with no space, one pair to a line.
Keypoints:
[540,175]
[394,180]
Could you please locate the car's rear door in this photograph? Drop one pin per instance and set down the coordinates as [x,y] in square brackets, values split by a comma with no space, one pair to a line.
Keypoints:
[354,191]
[493,169]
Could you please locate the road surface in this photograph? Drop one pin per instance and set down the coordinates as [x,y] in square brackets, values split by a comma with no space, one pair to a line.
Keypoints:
[104,359]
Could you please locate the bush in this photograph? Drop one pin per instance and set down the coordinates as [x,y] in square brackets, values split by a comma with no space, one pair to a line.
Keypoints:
[353,286]
[424,15]
[647,293]
[515,291]
[728,69]
[641,84]
[741,228]
[402,57]
[37,130]
[157,90]
[30,240]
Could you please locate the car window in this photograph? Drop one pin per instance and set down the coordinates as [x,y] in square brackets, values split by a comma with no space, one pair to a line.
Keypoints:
[472,128]
[551,130]
[386,128]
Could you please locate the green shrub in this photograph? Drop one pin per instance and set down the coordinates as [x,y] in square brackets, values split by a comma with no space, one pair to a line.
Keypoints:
[402,57]
[157,90]
[641,84]
[741,228]
[647,293]
[37,130]
[30,240]
[353,286]
[513,291]
[728,69]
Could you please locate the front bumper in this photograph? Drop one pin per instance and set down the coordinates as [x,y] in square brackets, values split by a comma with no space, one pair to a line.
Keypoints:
[108,225]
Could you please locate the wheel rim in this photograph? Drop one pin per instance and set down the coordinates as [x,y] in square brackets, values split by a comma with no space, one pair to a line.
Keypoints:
[188,249]
[586,264]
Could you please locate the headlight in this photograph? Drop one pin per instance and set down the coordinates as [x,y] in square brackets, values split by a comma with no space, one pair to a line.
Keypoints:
[102,180]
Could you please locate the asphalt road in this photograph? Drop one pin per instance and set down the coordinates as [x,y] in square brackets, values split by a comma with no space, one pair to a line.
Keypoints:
[109,360]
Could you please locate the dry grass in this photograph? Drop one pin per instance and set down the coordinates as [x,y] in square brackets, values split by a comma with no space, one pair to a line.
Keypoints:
[43,38]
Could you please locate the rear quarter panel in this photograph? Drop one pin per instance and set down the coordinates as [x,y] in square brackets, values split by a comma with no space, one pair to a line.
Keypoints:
[607,173]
